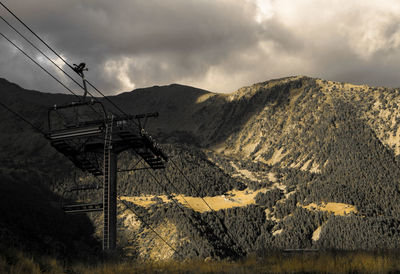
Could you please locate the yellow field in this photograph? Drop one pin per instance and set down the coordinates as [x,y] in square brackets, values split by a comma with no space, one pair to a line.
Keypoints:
[234,198]
[335,208]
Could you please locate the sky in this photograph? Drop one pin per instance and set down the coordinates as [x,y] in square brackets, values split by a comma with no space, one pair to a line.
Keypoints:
[217,45]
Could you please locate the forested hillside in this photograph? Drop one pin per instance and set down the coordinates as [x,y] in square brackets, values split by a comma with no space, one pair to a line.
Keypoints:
[292,163]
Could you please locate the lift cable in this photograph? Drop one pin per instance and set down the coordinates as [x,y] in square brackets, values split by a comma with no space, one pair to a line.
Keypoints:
[45,55]
[108,99]
[144,222]
[133,168]
[192,220]
[22,118]
[151,228]
[63,59]
[169,194]
[37,36]
[214,213]
[189,217]
[190,184]
[48,58]
[241,250]
[33,60]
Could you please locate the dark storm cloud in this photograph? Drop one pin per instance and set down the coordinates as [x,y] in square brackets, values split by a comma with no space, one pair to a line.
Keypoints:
[219,45]
[151,41]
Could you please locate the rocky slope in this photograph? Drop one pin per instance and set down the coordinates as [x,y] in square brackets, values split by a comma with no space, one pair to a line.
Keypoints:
[288,163]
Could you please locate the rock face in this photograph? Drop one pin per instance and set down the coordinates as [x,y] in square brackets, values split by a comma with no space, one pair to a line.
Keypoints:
[258,169]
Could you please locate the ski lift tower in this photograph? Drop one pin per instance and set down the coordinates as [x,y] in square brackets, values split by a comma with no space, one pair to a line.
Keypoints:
[91,138]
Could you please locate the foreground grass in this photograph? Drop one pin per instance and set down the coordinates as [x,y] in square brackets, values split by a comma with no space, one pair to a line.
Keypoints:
[343,262]
[275,263]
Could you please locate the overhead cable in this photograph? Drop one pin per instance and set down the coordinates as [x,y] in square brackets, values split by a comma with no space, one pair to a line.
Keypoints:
[150,227]
[62,59]
[34,33]
[45,55]
[22,118]
[34,61]
[241,250]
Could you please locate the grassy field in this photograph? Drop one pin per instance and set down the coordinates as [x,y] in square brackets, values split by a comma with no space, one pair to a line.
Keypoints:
[327,262]
[233,198]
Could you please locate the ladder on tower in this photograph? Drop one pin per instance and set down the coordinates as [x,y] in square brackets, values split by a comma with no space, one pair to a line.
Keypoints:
[106,184]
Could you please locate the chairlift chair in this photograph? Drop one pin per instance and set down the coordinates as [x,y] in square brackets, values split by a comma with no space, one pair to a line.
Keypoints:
[80,207]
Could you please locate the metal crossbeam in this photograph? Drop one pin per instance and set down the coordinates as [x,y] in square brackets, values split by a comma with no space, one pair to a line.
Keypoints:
[83,208]
[76,132]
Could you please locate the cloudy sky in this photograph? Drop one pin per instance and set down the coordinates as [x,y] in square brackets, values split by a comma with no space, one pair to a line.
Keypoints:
[218,45]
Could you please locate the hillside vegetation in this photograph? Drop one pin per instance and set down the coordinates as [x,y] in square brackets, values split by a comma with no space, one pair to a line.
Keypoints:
[292,163]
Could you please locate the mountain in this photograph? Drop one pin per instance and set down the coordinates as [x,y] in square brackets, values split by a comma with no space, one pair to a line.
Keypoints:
[290,163]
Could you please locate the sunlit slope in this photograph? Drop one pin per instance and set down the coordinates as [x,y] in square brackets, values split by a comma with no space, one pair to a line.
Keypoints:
[269,120]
